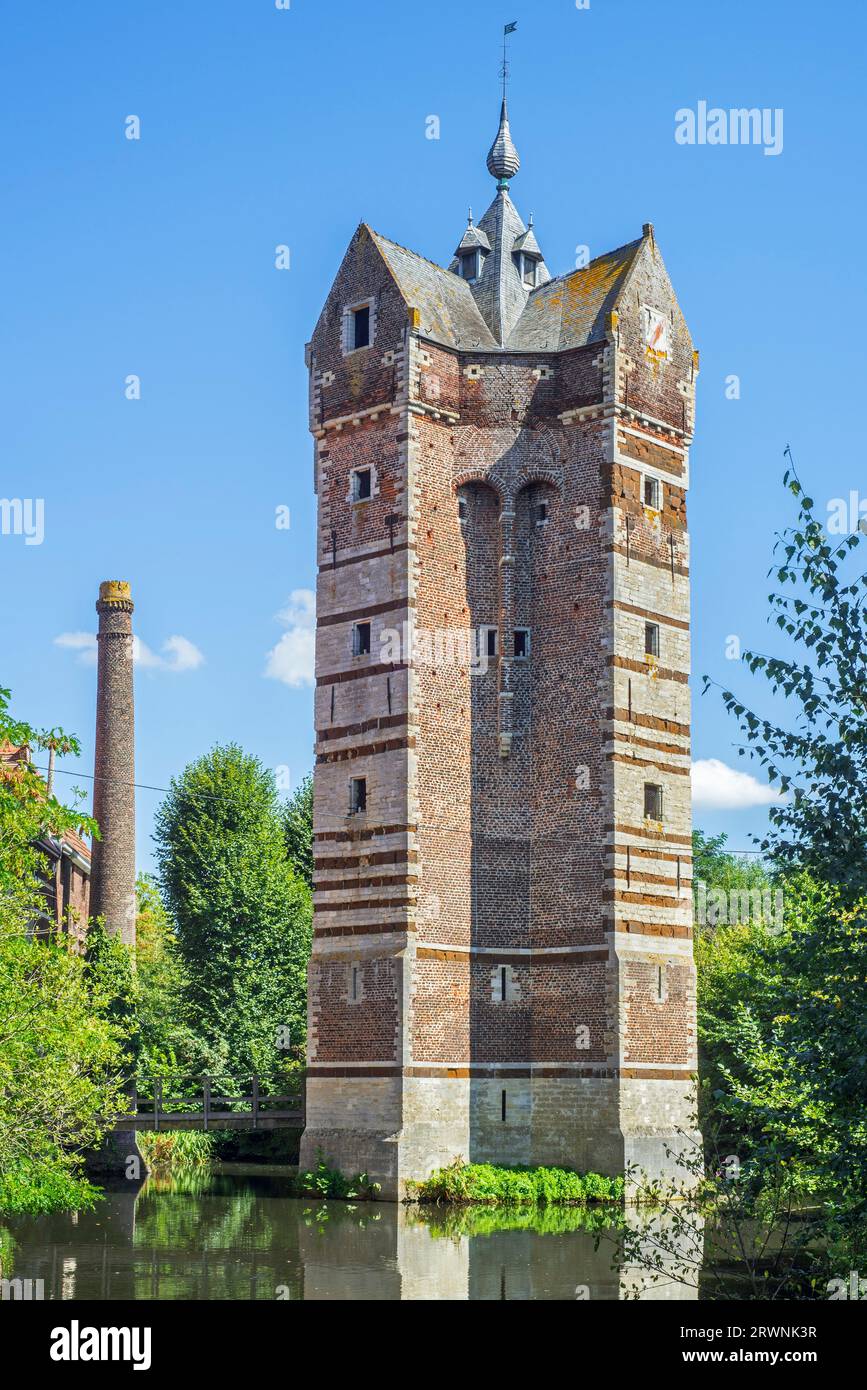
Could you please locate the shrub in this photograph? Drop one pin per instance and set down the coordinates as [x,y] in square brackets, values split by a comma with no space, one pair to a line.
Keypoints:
[485,1183]
[323,1181]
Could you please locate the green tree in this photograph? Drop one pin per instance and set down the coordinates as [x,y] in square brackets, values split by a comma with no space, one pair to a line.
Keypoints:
[298,830]
[242,916]
[820,759]
[727,955]
[169,1049]
[61,1052]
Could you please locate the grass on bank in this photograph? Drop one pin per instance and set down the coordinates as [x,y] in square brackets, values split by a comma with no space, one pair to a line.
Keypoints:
[483,1183]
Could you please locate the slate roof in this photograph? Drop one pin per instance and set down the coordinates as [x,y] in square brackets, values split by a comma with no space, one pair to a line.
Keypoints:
[571,310]
[564,313]
[528,244]
[472,238]
[449,314]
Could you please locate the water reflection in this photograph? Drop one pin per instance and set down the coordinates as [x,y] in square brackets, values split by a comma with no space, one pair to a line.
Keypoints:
[215,1236]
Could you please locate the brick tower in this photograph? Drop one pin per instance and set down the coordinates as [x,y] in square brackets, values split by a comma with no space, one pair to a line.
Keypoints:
[502,963]
[113,869]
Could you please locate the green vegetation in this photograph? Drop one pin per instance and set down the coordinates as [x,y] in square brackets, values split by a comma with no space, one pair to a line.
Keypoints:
[323,1181]
[62,1055]
[217,985]
[482,1182]
[821,758]
[235,963]
[298,830]
[453,1221]
[782,1004]
[177,1148]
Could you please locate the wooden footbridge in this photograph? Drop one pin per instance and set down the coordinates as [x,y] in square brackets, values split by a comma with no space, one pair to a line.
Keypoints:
[153,1109]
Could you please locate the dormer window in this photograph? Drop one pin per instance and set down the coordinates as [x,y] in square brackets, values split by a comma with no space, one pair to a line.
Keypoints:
[528,270]
[470,265]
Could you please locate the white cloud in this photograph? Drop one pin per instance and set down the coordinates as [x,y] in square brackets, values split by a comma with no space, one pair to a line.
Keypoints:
[82,642]
[180,653]
[292,661]
[724,788]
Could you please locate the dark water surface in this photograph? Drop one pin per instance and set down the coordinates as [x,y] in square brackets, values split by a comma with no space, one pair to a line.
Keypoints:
[241,1236]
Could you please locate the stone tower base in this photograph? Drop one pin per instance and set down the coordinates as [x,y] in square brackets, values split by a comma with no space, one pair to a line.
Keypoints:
[398,1130]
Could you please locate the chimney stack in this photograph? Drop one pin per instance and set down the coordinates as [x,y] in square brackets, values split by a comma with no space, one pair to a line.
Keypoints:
[112,893]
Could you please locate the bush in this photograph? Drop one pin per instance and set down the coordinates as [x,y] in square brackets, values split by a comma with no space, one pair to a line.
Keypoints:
[485,1183]
[323,1181]
[32,1189]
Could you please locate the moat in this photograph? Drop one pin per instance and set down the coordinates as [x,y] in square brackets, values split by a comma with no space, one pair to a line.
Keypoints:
[239,1235]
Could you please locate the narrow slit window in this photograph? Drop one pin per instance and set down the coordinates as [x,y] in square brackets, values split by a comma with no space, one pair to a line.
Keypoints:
[651,639]
[354,983]
[462,508]
[361,484]
[652,493]
[490,641]
[503,1106]
[541,513]
[522,644]
[503,982]
[660,983]
[358,795]
[653,801]
[361,639]
[361,327]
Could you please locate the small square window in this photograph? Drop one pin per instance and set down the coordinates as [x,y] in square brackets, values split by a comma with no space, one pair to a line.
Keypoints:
[490,641]
[361,327]
[651,639]
[462,508]
[652,493]
[361,484]
[522,643]
[361,639]
[358,795]
[652,801]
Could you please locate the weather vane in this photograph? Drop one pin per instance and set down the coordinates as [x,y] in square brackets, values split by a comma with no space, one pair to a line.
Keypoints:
[509,29]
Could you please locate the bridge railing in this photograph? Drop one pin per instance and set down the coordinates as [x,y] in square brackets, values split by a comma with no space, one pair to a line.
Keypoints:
[153,1103]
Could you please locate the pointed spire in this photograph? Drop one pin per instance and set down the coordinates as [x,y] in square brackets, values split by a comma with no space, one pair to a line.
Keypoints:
[503,159]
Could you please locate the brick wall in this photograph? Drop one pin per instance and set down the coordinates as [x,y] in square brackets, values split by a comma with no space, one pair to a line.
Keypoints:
[504,828]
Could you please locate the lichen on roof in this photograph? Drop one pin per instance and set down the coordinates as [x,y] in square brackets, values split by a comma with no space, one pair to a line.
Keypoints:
[570,311]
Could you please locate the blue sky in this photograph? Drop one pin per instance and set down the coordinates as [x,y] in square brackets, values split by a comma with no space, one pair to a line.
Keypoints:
[263,127]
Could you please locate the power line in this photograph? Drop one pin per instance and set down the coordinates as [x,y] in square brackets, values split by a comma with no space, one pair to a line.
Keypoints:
[216,796]
[140,786]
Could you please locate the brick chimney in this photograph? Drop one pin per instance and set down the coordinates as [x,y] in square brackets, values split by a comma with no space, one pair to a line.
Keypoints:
[113,871]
